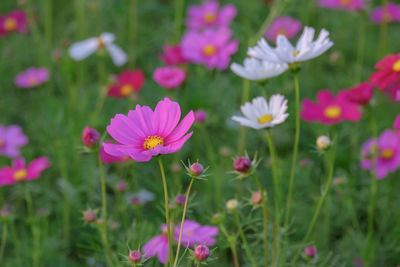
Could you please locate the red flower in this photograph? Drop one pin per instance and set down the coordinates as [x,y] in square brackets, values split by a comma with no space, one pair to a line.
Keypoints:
[388,72]
[361,94]
[128,82]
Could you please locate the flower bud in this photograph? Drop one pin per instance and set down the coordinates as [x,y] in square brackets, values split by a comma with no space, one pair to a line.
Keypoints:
[89,216]
[232,204]
[135,256]
[180,199]
[121,186]
[310,251]
[90,137]
[242,164]
[200,116]
[201,252]
[196,169]
[256,198]
[323,142]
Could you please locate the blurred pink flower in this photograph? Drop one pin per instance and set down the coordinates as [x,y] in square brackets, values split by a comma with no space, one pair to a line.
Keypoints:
[387,76]
[210,47]
[209,14]
[330,109]
[169,77]
[361,94]
[20,172]
[32,77]
[172,55]
[90,137]
[145,133]
[287,26]
[310,251]
[128,83]
[11,139]
[385,151]
[157,245]
[107,158]
[194,233]
[351,5]
[15,21]
[200,116]
[390,13]
[396,124]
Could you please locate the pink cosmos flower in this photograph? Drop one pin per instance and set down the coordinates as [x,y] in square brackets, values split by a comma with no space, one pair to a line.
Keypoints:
[200,116]
[15,21]
[209,14]
[194,233]
[361,94]
[157,245]
[390,13]
[107,158]
[330,109]
[172,55]
[20,172]
[388,72]
[32,77]
[128,83]
[11,139]
[396,124]
[385,151]
[169,77]
[210,47]
[145,133]
[287,26]
[350,5]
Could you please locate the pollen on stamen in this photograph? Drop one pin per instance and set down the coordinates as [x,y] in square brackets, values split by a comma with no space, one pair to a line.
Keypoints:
[20,174]
[265,118]
[152,141]
[333,112]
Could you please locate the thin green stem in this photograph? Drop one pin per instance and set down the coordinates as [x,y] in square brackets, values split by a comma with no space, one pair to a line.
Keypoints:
[244,241]
[265,219]
[178,19]
[170,253]
[232,244]
[48,22]
[4,233]
[132,30]
[360,47]
[35,234]
[274,174]
[183,221]
[242,130]
[383,32]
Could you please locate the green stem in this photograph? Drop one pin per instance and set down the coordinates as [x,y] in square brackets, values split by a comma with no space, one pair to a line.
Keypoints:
[232,244]
[103,90]
[360,48]
[244,241]
[274,174]
[265,219]
[4,233]
[322,199]
[169,259]
[48,22]
[132,30]
[35,234]
[242,130]
[183,221]
[383,33]
[178,19]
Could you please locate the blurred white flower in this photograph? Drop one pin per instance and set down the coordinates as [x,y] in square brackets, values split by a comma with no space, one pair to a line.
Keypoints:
[306,48]
[259,114]
[145,196]
[81,50]
[255,69]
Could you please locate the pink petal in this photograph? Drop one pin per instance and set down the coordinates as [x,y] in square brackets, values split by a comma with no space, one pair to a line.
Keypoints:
[182,128]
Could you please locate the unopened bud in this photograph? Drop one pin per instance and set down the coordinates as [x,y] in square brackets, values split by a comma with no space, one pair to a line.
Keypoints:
[256,198]
[232,204]
[323,142]
[196,169]
[310,251]
[242,164]
[89,216]
[201,252]
[135,256]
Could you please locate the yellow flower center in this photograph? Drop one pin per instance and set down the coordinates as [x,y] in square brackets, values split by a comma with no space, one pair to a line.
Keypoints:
[387,17]
[10,24]
[32,81]
[265,118]
[126,90]
[209,50]
[333,112]
[396,66]
[153,141]
[209,17]
[190,233]
[387,153]
[20,174]
[1,144]
[100,42]
[345,2]
[295,53]
[283,32]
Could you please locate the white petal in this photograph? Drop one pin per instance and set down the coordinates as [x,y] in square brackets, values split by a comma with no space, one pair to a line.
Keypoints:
[107,38]
[81,50]
[118,56]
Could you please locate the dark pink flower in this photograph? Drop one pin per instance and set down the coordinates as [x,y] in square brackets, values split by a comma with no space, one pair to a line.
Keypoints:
[128,82]
[15,21]
[201,252]
[107,158]
[350,5]
[200,116]
[310,251]
[287,26]
[212,47]
[145,133]
[157,245]
[172,55]
[330,109]
[32,77]
[90,137]
[388,72]
[194,233]
[11,139]
[20,172]
[385,151]
[169,77]
[209,14]
[361,94]
[390,13]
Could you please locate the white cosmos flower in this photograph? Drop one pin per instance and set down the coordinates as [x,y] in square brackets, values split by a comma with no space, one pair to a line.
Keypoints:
[259,114]
[81,50]
[306,48]
[255,69]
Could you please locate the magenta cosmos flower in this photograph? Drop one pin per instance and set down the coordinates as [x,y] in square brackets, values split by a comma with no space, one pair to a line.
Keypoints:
[145,133]
[388,72]
[351,5]
[194,233]
[20,172]
[172,55]
[169,77]
[390,13]
[15,21]
[11,139]
[385,151]
[157,245]
[107,158]
[287,26]
[209,14]
[361,94]
[32,77]
[330,109]
[128,82]
[212,48]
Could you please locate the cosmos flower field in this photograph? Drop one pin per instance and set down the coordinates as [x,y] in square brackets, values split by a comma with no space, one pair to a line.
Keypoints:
[192,133]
